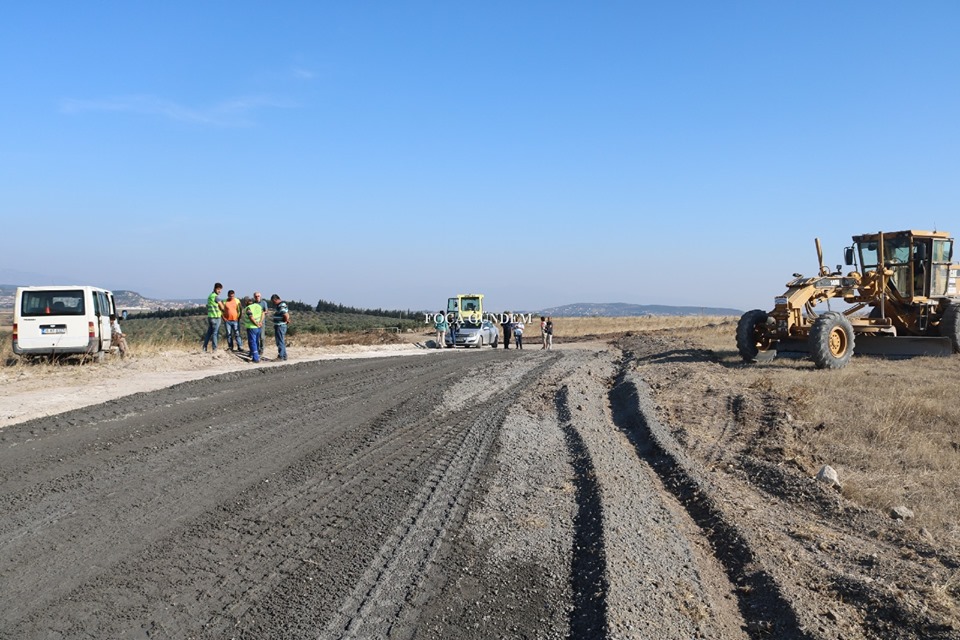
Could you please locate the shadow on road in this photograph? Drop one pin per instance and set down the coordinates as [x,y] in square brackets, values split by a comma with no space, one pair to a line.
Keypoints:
[588,618]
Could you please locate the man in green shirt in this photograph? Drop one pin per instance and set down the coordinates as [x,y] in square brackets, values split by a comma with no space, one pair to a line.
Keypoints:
[214,313]
[252,322]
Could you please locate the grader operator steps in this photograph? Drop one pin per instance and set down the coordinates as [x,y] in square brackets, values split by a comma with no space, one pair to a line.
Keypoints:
[900,299]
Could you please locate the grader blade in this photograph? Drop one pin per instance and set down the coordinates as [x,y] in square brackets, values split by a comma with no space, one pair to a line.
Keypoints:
[894,347]
[903,346]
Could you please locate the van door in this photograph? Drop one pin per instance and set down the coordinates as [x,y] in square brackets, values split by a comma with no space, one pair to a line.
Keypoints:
[102,310]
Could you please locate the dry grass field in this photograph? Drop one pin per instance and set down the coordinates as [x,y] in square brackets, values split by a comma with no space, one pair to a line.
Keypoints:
[890,427]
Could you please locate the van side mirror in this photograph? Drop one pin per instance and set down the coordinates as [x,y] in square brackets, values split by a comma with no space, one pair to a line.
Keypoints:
[848,256]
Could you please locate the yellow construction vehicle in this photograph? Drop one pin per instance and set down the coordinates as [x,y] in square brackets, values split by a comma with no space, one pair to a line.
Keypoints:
[465,308]
[901,299]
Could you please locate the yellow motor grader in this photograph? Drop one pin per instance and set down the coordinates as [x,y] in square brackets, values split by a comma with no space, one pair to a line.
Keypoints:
[900,299]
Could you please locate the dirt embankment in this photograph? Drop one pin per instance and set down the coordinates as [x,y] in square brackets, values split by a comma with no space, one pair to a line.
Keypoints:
[844,570]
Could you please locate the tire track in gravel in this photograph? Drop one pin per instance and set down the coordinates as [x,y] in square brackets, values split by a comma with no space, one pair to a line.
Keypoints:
[588,616]
[766,610]
[67,508]
[189,567]
[311,510]
[387,600]
[660,579]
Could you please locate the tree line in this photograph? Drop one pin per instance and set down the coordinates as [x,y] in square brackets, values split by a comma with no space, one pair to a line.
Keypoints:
[293,305]
[324,305]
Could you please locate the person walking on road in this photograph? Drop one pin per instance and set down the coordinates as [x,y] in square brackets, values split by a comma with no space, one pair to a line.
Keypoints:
[441,325]
[506,321]
[252,322]
[281,320]
[543,332]
[214,313]
[231,319]
[548,334]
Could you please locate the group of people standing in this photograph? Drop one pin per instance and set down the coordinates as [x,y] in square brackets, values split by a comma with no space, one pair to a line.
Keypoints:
[514,328]
[250,313]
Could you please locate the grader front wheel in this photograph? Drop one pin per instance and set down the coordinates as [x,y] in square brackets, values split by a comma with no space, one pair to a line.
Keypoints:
[749,343]
[950,325]
[831,341]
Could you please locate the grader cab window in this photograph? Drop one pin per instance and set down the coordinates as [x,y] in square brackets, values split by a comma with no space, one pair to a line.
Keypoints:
[940,266]
[896,257]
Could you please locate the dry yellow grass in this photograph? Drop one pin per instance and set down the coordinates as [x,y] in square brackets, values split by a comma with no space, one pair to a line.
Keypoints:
[891,427]
[596,326]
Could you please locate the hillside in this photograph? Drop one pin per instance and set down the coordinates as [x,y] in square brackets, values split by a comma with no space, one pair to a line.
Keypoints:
[624,309]
[126,300]
[133,301]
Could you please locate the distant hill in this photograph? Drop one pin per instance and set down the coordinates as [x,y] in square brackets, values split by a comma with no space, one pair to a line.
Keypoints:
[126,300]
[133,301]
[624,309]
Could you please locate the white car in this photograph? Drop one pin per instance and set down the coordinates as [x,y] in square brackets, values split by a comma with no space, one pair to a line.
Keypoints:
[475,335]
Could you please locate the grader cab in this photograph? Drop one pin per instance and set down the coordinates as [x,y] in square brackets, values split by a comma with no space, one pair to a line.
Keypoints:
[900,299]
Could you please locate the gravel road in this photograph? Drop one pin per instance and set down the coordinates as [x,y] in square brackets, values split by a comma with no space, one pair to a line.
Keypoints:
[469,494]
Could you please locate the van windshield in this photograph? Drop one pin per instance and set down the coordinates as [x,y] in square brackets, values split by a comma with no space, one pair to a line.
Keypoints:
[51,303]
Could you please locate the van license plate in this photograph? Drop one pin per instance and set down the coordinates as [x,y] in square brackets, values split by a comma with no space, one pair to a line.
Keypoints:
[49,330]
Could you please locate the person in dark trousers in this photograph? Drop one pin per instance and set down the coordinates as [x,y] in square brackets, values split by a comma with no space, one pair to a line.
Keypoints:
[518,334]
[281,319]
[507,323]
[258,299]
[214,313]
[252,322]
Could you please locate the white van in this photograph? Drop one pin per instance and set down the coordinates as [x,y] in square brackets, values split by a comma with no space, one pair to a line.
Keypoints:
[62,320]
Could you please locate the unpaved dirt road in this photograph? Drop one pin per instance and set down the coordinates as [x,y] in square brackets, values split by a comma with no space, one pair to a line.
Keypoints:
[481,494]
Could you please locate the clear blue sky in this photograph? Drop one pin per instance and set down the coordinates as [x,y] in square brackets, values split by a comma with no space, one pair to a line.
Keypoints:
[390,154]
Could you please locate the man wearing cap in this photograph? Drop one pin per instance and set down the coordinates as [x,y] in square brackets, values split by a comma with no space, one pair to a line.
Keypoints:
[258,299]
[252,321]
[281,318]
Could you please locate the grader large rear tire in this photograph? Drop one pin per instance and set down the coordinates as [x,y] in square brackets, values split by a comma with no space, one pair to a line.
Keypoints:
[831,341]
[950,325]
[748,343]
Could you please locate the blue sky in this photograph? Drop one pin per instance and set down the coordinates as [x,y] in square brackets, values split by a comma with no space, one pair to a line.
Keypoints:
[390,154]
